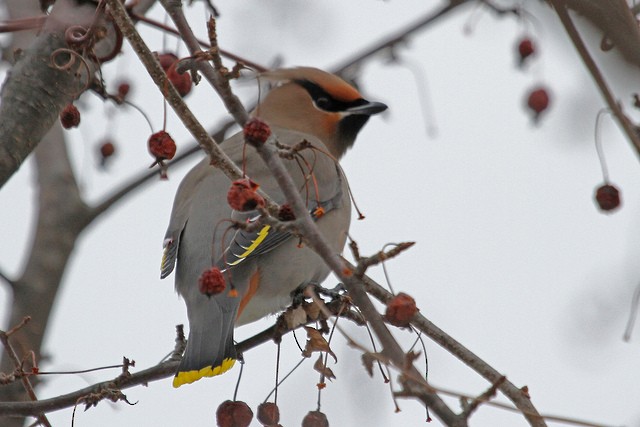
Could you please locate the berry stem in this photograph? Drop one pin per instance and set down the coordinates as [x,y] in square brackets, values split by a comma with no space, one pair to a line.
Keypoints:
[599,149]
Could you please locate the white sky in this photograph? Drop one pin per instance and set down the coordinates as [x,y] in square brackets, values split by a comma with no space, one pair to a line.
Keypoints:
[513,259]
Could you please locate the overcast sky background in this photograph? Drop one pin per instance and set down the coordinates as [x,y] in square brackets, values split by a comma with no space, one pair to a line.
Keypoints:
[513,258]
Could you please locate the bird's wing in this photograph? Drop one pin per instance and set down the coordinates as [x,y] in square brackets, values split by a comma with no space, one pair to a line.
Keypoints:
[315,174]
[180,215]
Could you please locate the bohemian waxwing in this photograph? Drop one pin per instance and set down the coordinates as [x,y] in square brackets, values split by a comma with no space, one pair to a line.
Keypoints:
[264,267]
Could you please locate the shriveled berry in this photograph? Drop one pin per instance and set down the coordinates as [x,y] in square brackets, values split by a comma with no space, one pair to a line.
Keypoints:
[182,82]
[526,48]
[70,117]
[608,197]
[268,414]
[285,213]
[243,195]
[315,419]
[162,146]
[400,310]
[211,282]
[233,414]
[538,101]
[256,132]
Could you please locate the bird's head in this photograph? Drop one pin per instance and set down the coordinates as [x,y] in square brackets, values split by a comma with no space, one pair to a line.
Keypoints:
[312,101]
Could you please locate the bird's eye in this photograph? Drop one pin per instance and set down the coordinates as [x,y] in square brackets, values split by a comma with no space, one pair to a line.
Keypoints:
[323,102]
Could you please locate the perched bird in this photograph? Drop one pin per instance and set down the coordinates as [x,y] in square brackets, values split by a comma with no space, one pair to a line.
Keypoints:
[264,268]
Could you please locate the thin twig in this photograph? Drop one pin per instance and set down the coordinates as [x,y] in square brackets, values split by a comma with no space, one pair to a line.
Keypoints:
[545,417]
[123,21]
[253,65]
[158,372]
[598,142]
[381,256]
[4,338]
[633,314]
[483,398]
[628,127]
[213,75]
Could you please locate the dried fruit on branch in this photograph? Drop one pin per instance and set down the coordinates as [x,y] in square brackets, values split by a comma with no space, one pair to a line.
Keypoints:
[182,82]
[243,195]
[538,101]
[167,60]
[268,414]
[162,146]
[234,414]
[526,48]
[256,132]
[70,117]
[315,419]
[608,197]
[400,310]
[123,90]
[211,282]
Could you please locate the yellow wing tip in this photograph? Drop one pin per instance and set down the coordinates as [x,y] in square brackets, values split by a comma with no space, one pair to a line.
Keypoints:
[188,377]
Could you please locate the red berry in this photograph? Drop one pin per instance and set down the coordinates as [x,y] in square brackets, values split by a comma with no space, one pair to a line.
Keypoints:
[400,310]
[162,146]
[107,149]
[315,419]
[526,48]
[608,197]
[538,101]
[268,414]
[256,132]
[211,282]
[233,414]
[243,195]
[166,60]
[123,89]
[182,82]
[70,117]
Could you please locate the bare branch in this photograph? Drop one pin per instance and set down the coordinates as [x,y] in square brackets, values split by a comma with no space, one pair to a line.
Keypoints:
[122,19]
[617,22]
[561,9]
[225,53]
[36,91]
[213,76]
[490,393]
[4,338]
[160,371]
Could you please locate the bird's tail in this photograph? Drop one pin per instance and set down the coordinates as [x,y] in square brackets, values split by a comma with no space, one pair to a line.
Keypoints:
[210,350]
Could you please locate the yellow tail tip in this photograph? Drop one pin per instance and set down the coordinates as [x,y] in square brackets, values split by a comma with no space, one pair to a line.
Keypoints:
[188,377]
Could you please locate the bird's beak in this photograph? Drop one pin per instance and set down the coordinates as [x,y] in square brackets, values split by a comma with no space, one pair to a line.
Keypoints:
[367,109]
